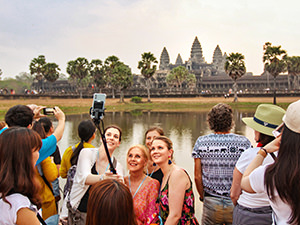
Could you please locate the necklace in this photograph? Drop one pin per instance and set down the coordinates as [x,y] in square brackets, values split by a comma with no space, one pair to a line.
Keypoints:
[138,187]
[152,171]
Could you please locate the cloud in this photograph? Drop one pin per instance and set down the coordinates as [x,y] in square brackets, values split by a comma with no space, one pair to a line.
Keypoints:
[64,30]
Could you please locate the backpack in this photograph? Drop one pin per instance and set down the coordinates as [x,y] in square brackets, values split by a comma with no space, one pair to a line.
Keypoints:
[70,177]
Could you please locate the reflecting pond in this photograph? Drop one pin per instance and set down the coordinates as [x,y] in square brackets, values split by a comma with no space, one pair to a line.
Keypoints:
[183,128]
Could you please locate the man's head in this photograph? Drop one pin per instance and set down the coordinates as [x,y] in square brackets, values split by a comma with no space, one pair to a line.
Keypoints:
[220,118]
[19,115]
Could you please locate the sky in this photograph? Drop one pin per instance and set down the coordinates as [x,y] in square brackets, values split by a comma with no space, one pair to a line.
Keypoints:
[63,30]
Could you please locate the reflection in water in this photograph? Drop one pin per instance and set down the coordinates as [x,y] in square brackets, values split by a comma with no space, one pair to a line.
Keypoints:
[183,128]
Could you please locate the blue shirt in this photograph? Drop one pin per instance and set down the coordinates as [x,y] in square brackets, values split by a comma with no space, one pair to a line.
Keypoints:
[48,147]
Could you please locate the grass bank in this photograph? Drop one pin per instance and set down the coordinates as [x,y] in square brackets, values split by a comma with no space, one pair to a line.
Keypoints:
[79,106]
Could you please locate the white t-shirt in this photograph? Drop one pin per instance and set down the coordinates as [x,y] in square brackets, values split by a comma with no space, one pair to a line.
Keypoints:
[86,161]
[252,200]
[281,210]
[9,214]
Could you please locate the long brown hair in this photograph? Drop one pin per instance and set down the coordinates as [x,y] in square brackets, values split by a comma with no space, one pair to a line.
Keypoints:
[110,202]
[17,173]
[283,175]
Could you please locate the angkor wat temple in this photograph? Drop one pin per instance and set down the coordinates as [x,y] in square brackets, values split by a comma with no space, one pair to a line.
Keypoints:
[211,78]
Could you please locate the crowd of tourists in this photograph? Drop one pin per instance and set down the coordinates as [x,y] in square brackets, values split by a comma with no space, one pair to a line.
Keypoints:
[237,183]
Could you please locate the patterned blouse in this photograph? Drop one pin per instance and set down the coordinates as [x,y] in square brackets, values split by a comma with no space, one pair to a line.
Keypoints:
[144,203]
[188,210]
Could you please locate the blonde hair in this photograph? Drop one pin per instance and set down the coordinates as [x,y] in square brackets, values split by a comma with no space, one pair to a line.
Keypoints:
[143,149]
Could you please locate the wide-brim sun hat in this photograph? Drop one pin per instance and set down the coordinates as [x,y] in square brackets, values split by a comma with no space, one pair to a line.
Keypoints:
[292,117]
[266,118]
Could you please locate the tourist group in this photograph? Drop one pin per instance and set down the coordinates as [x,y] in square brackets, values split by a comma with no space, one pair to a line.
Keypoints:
[237,183]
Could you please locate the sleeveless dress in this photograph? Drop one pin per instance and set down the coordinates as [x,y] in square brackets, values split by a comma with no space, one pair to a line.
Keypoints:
[188,210]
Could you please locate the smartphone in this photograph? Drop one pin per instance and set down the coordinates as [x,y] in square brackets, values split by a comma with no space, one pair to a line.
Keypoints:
[48,111]
[277,131]
[97,110]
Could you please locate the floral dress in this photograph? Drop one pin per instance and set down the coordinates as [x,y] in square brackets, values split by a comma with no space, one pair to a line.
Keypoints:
[188,210]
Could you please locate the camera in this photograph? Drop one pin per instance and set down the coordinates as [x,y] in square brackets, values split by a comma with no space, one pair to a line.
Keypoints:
[48,111]
[97,109]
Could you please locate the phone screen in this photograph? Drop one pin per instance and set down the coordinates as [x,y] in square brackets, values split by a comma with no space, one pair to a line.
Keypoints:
[97,109]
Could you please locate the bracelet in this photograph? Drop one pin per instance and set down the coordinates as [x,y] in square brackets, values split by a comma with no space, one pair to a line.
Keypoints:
[265,150]
[262,153]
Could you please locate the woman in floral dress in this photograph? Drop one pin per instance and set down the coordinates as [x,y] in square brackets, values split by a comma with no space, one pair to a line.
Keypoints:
[176,198]
[143,188]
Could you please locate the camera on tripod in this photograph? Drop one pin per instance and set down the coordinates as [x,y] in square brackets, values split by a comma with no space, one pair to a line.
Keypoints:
[97,109]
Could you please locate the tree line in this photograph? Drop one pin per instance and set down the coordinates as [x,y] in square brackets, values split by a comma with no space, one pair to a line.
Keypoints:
[114,74]
[275,61]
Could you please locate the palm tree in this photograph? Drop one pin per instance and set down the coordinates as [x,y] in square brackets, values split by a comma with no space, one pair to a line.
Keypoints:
[274,62]
[110,64]
[293,68]
[79,71]
[36,68]
[235,68]
[98,73]
[147,69]
[51,72]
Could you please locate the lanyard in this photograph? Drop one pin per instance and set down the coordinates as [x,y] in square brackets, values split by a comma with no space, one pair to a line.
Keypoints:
[138,187]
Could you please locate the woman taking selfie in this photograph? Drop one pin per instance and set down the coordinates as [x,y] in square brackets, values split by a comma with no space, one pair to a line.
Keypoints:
[143,188]
[93,166]
[176,198]
[19,188]
[279,180]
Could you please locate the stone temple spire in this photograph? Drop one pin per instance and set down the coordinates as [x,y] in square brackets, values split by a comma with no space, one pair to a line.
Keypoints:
[164,60]
[196,52]
[218,59]
[179,61]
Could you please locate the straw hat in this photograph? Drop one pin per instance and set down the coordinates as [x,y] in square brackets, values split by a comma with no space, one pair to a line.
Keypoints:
[266,118]
[292,117]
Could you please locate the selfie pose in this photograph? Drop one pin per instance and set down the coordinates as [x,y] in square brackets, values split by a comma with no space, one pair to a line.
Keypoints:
[279,180]
[254,208]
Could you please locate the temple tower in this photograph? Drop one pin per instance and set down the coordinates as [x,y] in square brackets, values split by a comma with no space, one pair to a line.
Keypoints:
[196,52]
[218,59]
[164,60]
[179,61]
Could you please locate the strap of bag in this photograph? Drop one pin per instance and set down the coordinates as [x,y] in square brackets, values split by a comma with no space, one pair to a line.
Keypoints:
[41,219]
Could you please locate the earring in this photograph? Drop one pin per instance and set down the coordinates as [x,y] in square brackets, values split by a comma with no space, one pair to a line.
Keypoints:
[154,164]
[169,162]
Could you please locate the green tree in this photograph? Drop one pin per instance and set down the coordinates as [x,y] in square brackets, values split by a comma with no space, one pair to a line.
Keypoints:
[51,72]
[179,76]
[293,68]
[0,74]
[37,69]
[147,67]
[110,64]
[274,62]
[98,73]
[79,72]
[235,68]
[122,78]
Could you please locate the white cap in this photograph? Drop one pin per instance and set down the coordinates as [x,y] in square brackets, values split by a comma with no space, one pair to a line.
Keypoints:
[292,117]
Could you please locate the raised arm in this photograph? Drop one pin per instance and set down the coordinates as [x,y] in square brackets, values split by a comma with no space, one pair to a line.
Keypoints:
[273,146]
[60,116]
